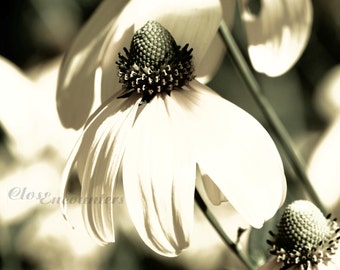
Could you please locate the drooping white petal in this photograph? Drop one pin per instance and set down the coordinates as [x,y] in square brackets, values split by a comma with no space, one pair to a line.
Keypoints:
[97,158]
[159,177]
[77,74]
[192,21]
[236,152]
[278,34]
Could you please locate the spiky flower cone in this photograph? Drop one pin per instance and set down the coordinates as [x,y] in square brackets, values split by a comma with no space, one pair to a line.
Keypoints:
[305,237]
[154,63]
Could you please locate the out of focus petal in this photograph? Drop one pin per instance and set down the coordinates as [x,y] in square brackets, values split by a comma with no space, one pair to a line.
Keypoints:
[324,166]
[327,97]
[277,33]
[28,115]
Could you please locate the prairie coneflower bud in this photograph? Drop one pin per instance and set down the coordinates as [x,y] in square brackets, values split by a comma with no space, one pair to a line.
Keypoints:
[154,63]
[305,237]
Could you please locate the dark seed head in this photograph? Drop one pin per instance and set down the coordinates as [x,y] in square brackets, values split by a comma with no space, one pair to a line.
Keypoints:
[305,237]
[302,226]
[154,64]
[152,46]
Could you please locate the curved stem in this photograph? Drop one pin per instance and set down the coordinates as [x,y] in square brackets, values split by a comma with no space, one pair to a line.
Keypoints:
[213,221]
[269,112]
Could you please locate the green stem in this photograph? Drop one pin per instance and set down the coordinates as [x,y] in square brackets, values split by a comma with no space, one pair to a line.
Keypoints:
[268,111]
[211,218]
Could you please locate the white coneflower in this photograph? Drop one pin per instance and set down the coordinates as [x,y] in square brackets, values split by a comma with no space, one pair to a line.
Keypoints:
[306,240]
[156,134]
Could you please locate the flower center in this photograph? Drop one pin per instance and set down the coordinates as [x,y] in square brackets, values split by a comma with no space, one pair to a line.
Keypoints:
[305,237]
[154,64]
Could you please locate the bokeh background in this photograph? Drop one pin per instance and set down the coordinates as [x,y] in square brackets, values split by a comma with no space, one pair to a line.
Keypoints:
[34,34]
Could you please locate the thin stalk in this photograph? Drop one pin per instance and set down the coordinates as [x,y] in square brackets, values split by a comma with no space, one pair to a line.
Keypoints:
[215,224]
[269,113]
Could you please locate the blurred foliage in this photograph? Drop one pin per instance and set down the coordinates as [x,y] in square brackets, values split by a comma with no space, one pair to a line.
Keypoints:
[37,30]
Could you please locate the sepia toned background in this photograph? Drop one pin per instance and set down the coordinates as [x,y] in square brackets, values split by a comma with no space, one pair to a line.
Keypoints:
[33,233]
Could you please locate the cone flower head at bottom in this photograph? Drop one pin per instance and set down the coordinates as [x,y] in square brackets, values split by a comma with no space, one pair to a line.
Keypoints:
[306,240]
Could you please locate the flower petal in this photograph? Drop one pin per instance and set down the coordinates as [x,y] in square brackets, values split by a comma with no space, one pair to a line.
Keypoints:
[159,178]
[192,21]
[214,193]
[97,158]
[236,152]
[278,34]
[77,74]
[323,167]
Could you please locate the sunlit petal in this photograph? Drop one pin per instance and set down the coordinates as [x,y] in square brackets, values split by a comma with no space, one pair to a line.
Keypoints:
[76,81]
[159,178]
[235,151]
[98,159]
[277,35]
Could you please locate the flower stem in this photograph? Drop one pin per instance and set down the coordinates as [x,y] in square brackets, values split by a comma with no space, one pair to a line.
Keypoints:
[213,221]
[269,112]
